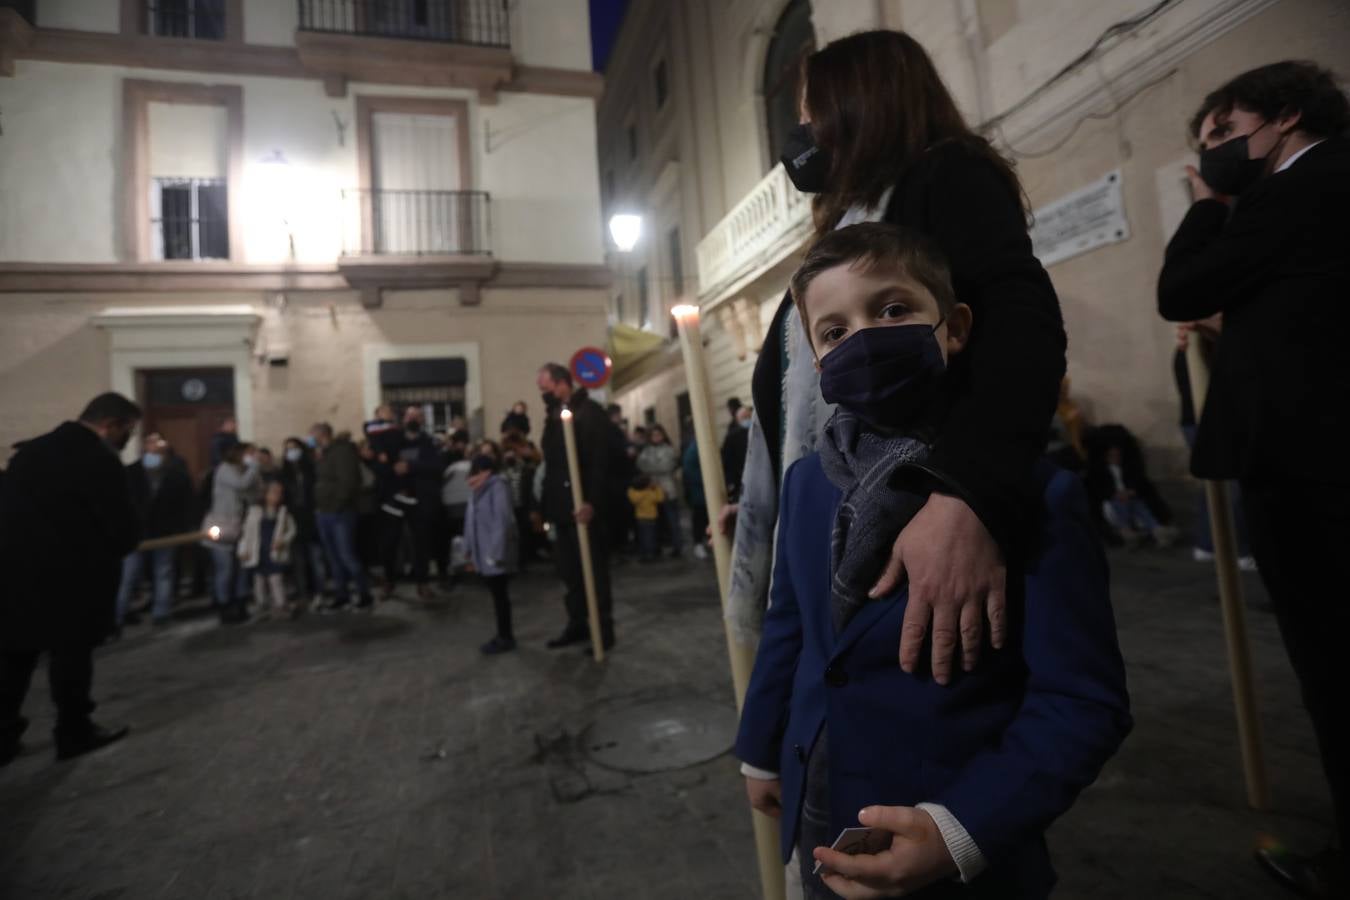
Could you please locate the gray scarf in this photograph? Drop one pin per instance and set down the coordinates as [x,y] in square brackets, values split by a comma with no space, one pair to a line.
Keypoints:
[860,462]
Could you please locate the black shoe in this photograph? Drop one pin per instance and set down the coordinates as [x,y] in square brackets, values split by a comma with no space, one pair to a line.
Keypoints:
[95,737]
[568,638]
[365,604]
[161,622]
[131,618]
[234,614]
[1323,875]
[607,641]
[336,606]
[498,645]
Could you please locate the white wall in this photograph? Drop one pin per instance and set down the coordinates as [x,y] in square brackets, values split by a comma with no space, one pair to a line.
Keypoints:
[81,15]
[57,160]
[551,33]
[61,152]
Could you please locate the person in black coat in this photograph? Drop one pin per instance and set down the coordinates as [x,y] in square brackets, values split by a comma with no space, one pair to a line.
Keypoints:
[161,491]
[734,448]
[297,475]
[1264,248]
[66,522]
[409,469]
[517,421]
[593,432]
[899,150]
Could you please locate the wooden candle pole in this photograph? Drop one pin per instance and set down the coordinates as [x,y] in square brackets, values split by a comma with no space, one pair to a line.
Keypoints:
[1230,600]
[583,537]
[176,540]
[715,493]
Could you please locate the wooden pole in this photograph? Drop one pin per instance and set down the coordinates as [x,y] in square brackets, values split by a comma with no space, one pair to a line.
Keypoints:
[1230,601]
[715,493]
[583,537]
[177,540]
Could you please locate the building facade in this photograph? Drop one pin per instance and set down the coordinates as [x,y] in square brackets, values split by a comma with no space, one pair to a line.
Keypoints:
[1090,99]
[292,211]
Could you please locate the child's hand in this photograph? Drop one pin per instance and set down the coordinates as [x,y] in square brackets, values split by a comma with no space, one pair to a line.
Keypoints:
[766,795]
[917,857]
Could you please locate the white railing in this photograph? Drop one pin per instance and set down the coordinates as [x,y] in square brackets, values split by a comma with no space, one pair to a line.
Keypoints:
[764,226]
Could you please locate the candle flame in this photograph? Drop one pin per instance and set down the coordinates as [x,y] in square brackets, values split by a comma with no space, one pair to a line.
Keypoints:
[566,413]
[683,310]
[213,532]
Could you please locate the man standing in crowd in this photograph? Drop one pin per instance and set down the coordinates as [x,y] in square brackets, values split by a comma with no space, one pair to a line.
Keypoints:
[66,522]
[161,493]
[734,448]
[1264,246]
[592,429]
[337,488]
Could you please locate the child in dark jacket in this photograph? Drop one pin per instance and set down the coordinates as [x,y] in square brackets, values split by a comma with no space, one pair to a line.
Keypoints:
[959,782]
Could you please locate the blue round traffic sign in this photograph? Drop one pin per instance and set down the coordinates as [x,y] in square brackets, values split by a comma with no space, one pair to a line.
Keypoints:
[591,367]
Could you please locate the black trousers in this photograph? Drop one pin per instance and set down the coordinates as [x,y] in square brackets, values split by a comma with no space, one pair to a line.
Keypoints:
[70,673]
[417,523]
[569,567]
[498,586]
[1299,532]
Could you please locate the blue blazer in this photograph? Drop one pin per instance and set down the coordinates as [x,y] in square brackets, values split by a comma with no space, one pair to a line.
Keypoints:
[1006,747]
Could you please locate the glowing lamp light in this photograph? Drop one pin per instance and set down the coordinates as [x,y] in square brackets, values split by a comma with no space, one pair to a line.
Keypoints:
[626,229]
[684,311]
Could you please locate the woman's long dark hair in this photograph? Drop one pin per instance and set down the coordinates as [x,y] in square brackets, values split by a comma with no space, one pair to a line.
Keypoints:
[876,103]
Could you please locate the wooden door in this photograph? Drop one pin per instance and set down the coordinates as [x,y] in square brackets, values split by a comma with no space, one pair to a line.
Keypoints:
[187,407]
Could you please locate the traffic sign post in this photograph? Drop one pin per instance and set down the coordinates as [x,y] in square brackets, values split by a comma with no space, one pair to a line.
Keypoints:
[591,367]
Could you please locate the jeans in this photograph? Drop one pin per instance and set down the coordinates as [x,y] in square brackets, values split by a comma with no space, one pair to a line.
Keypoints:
[337,531]
[308,568]
[1132,513]
[162,567]
[671,511]
[646,533]
[231,583]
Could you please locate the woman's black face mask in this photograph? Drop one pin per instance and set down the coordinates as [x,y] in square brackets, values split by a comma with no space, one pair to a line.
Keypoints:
[806,163]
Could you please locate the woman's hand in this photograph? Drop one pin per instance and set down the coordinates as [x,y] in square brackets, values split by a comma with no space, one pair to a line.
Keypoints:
[766,795]
[956,577]
[917,857]
[726,520]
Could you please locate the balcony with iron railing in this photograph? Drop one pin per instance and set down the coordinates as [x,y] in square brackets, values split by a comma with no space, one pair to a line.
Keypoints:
[450,43]
[770,223]
[482,23]
[416,238]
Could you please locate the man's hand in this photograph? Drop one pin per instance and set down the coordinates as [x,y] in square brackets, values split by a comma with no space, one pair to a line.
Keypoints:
[1208,329]
[766,795]
[956,575]
[584,514]
[537,522]
[917,857]
[1200,189]
[401,468]
[726,520]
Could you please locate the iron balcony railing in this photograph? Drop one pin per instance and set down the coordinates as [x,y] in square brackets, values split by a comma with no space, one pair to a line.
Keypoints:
[483,23]
[202,19]
[407,222]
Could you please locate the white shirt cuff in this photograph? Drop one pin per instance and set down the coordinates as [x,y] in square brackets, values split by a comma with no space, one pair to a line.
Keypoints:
[970,862]
[750,771]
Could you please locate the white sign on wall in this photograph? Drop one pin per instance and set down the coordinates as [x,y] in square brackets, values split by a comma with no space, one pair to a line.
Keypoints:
[1089,218]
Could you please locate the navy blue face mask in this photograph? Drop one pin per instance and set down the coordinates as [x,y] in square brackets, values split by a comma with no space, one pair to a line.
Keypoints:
[887,375]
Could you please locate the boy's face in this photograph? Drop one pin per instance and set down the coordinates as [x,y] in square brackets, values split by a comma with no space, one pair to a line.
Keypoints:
[845,300]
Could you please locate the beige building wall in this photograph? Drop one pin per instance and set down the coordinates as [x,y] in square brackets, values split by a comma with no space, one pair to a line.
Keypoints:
[53,357]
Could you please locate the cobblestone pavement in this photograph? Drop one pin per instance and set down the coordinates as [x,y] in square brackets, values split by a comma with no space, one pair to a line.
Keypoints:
[382,757]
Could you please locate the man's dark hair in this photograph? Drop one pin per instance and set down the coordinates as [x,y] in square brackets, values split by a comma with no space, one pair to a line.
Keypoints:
[1283,88]
[876,245]
[557,372]
[614,409]
[733,405]
[110,406]
[324,428]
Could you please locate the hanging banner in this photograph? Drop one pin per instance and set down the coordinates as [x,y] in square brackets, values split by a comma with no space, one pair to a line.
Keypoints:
[1089,218]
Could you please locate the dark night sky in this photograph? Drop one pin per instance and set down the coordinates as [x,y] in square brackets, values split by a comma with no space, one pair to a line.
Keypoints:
[606,17]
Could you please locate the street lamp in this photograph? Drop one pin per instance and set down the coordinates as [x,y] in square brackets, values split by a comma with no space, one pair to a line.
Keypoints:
[625,228]
[275,191]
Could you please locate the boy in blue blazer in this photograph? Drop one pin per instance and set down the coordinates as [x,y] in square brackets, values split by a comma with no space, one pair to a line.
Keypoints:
[964,779]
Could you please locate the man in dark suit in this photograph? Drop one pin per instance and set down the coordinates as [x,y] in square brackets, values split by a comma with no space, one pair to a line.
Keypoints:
[1262,256]
[592,428]
[66,522]
[161,491]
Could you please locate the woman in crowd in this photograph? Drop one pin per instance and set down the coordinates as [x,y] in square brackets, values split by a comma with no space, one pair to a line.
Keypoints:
[297,474]
[236,480]
[660,460]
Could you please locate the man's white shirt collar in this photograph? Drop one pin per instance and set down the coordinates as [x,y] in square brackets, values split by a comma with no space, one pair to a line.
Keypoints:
[1293,159]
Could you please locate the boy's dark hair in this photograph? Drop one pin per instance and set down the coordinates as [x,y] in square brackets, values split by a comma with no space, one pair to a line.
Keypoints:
[1292,86]
[557,372]
[111,405]
[872,245]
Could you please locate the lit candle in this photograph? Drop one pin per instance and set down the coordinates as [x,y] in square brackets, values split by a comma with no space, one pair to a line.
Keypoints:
[213,532]
[715,491]
[583,536]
